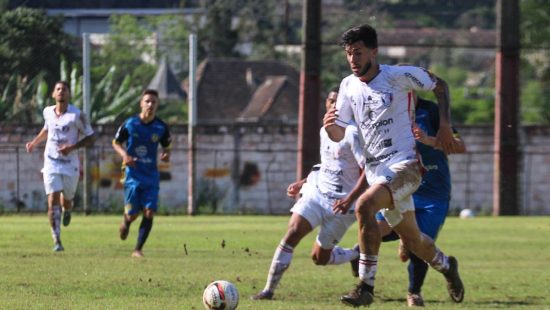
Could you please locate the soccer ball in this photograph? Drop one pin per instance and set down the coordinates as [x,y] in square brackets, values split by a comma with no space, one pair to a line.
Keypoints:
[220,295]
[466,214]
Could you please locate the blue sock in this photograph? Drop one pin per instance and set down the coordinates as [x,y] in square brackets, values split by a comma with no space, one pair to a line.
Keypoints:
[417,273]
[144,230]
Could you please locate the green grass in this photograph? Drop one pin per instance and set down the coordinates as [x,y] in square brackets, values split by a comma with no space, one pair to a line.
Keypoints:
[504,263]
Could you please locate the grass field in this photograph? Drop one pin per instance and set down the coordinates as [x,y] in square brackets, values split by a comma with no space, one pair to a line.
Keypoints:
[504,263]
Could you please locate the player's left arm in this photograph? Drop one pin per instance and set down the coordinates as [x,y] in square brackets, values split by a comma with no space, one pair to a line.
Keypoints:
[422,137]
[85,127]
[341,206]
[166,143]
[444,138]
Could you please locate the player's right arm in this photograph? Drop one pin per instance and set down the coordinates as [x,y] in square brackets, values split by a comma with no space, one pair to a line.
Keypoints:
[338,116]
[334,131]
[42,135]
[121,137]
[293,189]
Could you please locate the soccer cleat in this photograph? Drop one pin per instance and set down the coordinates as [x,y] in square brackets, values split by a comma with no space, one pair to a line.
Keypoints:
[454,284]
[402,252]
[415,300]
[123,230]
[58,247]
[355,263]
[137,253]
[66,218]
[362,295]
[263,295]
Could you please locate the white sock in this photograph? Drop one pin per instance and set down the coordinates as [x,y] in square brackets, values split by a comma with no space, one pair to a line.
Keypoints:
[368,264]
[340,255]
[56,227]
[281,261]
[440,262]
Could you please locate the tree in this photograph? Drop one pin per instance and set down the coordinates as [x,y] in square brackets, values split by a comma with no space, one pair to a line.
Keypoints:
[32,42]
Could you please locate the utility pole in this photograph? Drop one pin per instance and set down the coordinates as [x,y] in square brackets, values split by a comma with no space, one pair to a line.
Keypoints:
[506,158]
[310,84]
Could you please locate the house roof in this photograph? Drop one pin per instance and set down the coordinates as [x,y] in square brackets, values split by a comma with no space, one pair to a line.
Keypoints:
[166,83]
[230,88]
[263,99]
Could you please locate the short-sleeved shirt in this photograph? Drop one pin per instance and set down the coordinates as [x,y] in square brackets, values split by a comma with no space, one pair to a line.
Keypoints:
[382,109]
[62,130]
[436,181]
[341,164]
[142,141]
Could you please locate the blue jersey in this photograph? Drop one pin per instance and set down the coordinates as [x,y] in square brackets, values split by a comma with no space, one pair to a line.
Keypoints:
[436,182]
[142,141]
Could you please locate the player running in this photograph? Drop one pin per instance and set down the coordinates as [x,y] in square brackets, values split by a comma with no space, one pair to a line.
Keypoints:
[377,98]
[63,123]
[327,185]
[142,134]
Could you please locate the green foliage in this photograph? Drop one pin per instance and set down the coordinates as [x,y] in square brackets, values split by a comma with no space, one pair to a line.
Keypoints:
[23,100]
[31,44]
[129,41]
[218,38]
[183,254]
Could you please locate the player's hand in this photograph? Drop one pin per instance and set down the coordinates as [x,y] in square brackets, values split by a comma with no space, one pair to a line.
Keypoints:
[129,161]
[341,206]
[293,189]
[65,149]
[419,134]
[444,139]
[29,146]
[165,156]
[330,117]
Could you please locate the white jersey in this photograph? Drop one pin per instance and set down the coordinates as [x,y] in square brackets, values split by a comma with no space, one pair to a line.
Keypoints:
[340,164]
[383,110]
[63,129]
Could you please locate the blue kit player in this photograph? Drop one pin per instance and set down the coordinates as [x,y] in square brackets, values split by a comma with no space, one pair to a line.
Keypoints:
[431,200]
[142,134]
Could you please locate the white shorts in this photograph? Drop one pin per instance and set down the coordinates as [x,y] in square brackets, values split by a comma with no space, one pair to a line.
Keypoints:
[402,179]
[55,182]
[316,208]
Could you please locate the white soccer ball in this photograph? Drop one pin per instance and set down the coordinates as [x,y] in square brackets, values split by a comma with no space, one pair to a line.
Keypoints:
[466,214]
[220,295]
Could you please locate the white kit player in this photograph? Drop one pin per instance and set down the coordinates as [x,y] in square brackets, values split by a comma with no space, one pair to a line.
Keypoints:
[63,124]
[378,99]
[331,185]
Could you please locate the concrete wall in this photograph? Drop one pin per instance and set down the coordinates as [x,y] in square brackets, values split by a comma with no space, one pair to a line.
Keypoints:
[247,169]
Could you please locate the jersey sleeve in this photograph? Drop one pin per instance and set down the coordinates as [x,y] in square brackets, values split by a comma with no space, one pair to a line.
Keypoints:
[343,105]
[411,77]
[84,125]
[166,139]
[122,134]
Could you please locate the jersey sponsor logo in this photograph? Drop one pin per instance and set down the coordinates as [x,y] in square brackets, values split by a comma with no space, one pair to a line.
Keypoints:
[380,145]
[414,79]
[141,151]
[385,122]
[431,167]
[333,172]
[381,157]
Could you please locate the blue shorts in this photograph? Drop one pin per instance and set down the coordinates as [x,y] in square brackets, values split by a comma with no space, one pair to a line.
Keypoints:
[138,198]
[430,215]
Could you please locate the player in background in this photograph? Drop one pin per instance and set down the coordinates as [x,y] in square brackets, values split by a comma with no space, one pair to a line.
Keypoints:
[142,134]
[377,98]
[431,199]
[63,124]
[328,184]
